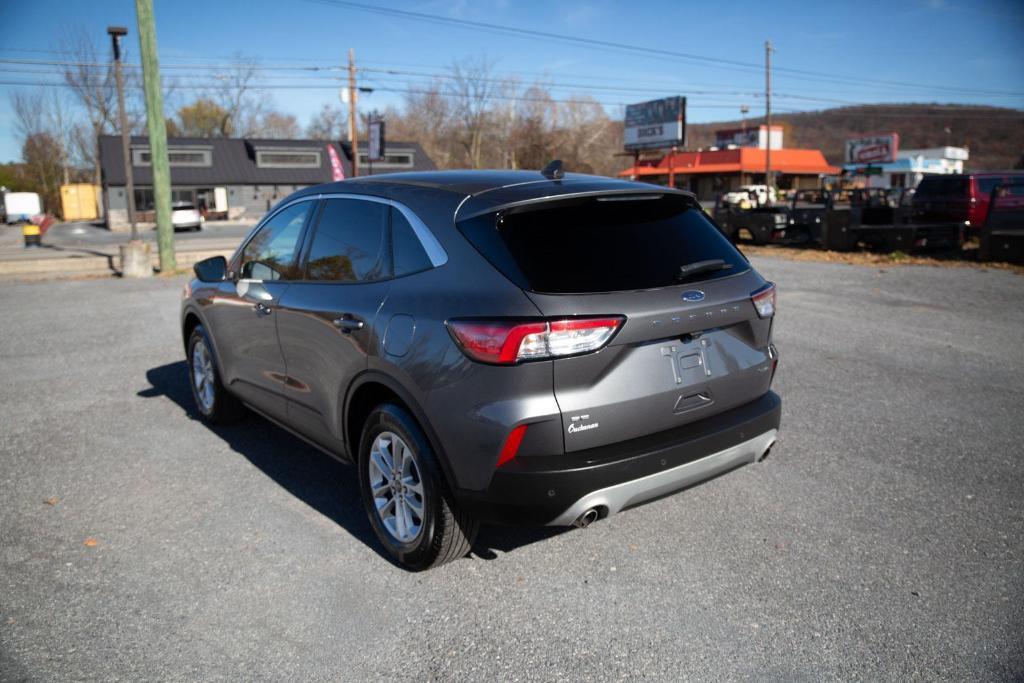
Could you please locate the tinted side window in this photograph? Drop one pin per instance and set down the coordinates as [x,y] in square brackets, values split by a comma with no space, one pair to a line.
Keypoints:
[410,257]
[270,254]
[349,245]
[986,185]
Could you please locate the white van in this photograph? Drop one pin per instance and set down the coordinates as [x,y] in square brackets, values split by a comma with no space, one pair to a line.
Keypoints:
[19,207]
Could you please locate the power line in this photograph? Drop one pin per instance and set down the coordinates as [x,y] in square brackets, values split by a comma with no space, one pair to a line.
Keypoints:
[332,74]
[931,112]
[639,49]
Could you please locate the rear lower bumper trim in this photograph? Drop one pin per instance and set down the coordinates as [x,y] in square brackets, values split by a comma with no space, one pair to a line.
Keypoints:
[615,498]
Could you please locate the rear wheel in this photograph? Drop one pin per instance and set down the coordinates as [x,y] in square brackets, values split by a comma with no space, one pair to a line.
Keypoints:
[213,401]
[405,495]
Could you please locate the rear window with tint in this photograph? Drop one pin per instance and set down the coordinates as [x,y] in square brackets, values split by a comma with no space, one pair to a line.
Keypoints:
[937,186]
[594,245]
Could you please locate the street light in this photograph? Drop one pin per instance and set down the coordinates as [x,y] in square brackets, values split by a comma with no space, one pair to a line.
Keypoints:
[116,33]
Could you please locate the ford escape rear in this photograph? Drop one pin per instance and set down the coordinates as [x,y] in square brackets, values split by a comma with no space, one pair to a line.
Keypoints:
[492,346]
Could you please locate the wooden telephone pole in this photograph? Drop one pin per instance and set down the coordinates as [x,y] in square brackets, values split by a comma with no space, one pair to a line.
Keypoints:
[353,128]
[157,133]
[768,117]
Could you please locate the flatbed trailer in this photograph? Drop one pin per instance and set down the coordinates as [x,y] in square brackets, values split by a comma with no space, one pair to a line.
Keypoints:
[765,224]
[880,220]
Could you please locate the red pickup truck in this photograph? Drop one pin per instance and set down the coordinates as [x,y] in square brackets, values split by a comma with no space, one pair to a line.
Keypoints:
[960,198]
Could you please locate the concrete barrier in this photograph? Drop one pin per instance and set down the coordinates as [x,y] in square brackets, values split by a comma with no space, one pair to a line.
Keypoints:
[91,265]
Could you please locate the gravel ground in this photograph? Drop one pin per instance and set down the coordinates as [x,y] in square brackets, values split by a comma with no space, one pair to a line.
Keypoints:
[881,540]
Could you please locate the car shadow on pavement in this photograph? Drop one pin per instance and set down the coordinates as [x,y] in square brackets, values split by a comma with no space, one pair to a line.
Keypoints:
[325,484]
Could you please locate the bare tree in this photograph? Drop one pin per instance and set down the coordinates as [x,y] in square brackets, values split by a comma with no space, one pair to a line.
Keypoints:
[277,125]
[29,113]
[504,125]
[584,134]
[330,123]
[474,118]
[471,90]
[94,89]
[426,118]
[534,136]
[40,154]
[61,128]
[238,93]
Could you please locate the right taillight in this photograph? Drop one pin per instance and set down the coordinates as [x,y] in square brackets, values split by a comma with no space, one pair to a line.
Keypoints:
[507,342]
[764,300]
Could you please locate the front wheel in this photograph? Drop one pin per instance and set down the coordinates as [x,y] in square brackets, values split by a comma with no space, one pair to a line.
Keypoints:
[405,496]
[213,401]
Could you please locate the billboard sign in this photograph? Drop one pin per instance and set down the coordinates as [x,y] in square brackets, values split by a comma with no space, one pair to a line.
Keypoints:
[376,150]
[740,137]
[872,149]
[657,124]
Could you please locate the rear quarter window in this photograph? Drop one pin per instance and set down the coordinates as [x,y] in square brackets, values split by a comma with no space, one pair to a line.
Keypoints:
[939,186]
[601,245]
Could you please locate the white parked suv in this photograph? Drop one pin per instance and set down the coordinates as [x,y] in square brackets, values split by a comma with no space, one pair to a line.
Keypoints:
[185,216]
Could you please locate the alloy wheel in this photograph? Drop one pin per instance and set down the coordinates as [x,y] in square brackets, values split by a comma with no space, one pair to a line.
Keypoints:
[202,375]
[397,487]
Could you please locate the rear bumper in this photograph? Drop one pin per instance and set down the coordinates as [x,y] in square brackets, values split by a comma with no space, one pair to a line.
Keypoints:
[557,490]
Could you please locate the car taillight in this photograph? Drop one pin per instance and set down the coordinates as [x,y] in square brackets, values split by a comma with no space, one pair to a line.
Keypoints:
[764,300]
[506,342]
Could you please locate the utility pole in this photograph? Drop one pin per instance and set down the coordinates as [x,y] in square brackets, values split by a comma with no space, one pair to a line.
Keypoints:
[116,32]
[157,133]
[353,128]
[768,117]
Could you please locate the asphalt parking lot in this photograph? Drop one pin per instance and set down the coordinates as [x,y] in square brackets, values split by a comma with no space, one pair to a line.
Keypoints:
[883,538]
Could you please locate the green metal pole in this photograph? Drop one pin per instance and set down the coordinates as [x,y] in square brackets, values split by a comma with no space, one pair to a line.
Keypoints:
[157,133]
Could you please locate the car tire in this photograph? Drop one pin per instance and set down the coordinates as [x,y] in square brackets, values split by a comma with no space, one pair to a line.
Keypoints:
[215,404]
[391,438]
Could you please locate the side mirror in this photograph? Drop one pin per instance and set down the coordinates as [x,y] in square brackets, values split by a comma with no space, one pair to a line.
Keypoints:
[214,269]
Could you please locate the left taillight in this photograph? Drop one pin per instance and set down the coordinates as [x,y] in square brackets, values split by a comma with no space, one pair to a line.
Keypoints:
[764,300]
[507,342]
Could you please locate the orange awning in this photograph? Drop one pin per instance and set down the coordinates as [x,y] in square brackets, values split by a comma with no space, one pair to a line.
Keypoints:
[742,160]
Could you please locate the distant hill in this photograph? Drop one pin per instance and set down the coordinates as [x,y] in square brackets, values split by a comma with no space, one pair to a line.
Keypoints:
[994,135]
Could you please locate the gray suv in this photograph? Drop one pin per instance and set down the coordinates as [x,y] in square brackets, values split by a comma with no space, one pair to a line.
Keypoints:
[492,346]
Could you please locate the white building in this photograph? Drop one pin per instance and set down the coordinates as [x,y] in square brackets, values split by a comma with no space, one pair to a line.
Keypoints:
[910,167]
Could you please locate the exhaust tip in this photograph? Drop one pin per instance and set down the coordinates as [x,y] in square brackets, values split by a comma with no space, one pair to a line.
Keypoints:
[587,518]
[764,456]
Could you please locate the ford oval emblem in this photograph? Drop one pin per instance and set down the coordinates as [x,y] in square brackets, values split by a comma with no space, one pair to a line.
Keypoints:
[693,295]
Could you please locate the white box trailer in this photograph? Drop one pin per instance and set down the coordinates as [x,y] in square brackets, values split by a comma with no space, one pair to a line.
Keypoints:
[19,207]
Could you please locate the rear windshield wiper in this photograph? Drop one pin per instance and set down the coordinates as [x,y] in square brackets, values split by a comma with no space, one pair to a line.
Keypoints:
[698,267]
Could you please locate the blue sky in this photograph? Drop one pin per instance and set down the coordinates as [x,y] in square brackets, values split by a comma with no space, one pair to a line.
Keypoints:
[969,51]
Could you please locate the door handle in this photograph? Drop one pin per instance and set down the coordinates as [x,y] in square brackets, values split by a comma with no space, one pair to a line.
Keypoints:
[263,309]
[347,323]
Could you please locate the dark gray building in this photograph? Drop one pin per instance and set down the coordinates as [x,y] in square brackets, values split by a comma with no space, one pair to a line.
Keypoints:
[235,178]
